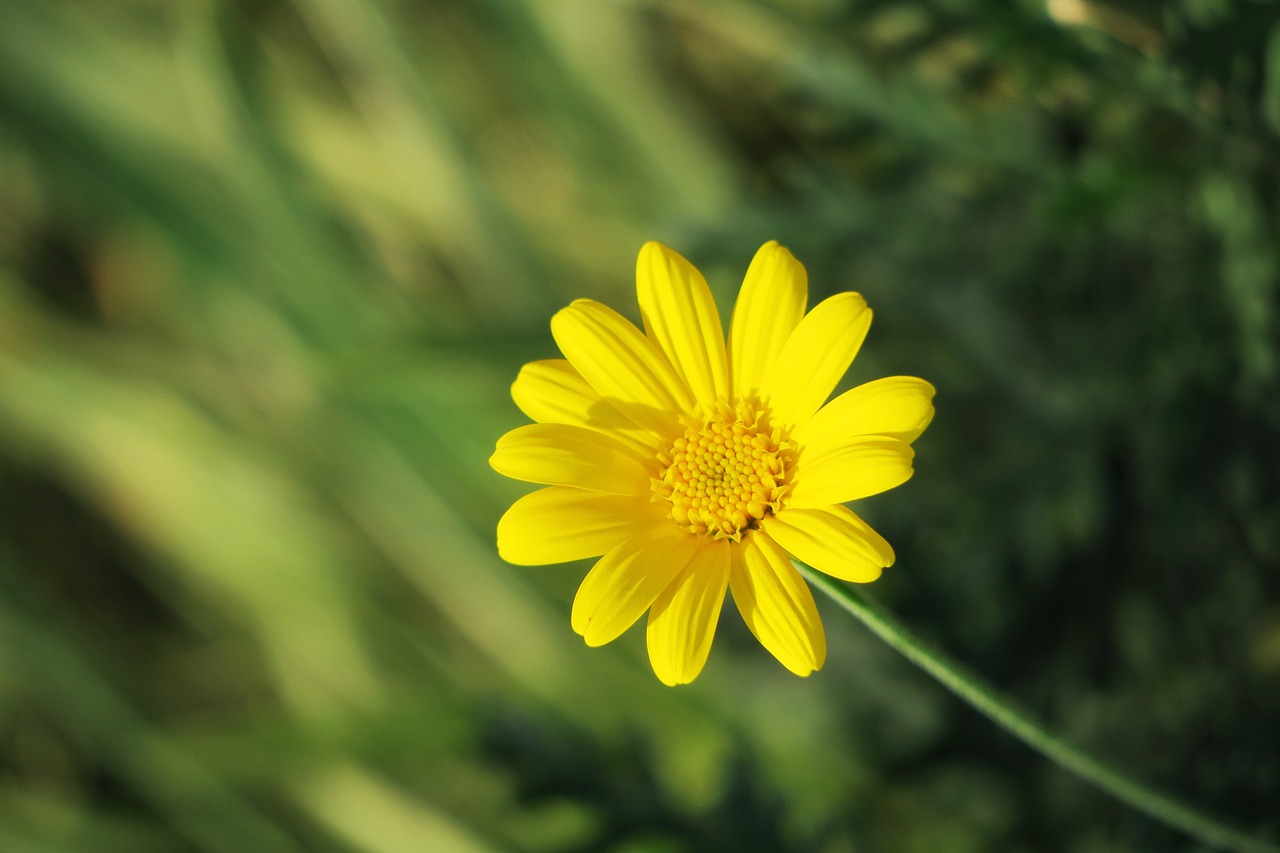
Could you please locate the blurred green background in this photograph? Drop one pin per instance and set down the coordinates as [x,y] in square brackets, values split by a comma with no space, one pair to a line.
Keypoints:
[267,270]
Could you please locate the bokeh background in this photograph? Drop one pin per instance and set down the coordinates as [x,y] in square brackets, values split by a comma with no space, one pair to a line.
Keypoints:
[267,270]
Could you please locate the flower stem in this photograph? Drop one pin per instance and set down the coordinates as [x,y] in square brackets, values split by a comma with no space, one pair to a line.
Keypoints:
[967,686]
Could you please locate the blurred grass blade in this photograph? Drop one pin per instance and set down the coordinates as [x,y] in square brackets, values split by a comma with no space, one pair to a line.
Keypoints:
[375,817]
[209,813]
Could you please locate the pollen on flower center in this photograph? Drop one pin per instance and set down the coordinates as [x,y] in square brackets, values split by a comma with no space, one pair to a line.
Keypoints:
[727,472]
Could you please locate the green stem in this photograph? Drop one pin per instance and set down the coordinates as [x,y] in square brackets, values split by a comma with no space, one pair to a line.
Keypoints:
[1163,808]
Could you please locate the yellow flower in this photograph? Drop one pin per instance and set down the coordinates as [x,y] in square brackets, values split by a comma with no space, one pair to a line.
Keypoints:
[693,466]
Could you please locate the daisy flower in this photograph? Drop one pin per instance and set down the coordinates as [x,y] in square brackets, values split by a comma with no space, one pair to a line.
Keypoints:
[689,465]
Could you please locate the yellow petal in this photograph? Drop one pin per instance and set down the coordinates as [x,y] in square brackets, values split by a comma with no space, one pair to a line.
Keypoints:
[863,466]
[683,620]
[769,307]
[561,455]
[897,406]
[552,392]
[815,356]
[626,581]
[832,540]
[777,605]
[680,316]
[624,366]
[559,524]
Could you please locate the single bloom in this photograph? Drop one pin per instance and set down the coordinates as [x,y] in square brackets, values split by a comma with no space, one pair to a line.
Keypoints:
[691,465]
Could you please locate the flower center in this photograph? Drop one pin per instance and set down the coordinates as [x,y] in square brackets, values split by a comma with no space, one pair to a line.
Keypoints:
[726,472]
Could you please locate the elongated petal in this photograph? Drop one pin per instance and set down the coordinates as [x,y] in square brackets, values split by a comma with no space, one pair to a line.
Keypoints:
[628,579]
[561,455]
[769,307]
[680,316]
[832,540]
[777,605]
[897,406]
[683,620]
[863,466]
[560,523]
[815,356]
[624,366]
[552,392]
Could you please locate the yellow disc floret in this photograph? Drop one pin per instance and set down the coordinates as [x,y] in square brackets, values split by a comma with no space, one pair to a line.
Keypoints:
[727,471]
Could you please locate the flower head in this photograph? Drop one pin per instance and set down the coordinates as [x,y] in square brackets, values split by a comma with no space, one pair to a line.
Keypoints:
[695,466]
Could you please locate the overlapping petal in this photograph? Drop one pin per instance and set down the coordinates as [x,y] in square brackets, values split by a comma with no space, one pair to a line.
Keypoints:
[862,466]
[552,392]
[777,605]
[833,540]
[561,523]
[769,307]
[897,406]
[680,316]
[562,455]
[815,357]
[627,580]
[625,367]
[683,620]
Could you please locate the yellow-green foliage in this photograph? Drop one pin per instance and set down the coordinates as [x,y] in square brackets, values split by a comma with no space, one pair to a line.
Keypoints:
[267,269]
